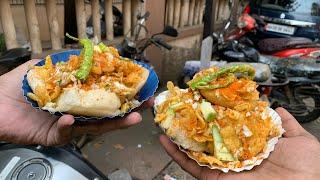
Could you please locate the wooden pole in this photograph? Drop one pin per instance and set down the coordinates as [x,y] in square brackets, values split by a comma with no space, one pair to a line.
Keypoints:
[109,19]
[33,26]
[81,18]
[134,13]
[127,17]
[196,12]
[209,17]
[177,8]
[53,24]
[184,13]
[171,12]
[202,6]
[167,13]
[8,25]
[236,13]
[191,12]
[95,6]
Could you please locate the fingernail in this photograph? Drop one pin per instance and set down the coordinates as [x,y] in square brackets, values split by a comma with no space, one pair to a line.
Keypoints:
[137,117]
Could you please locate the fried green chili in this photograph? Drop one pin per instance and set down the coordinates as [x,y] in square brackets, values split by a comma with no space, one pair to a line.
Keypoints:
[203,81]
[229,79]
[103,47]
[87,55]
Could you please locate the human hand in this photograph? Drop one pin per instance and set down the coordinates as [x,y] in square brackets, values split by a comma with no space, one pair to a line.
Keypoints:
[21,123]
[296,156]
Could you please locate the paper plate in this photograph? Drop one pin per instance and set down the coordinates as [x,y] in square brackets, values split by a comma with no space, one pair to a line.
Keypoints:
[248,164]
[145,93]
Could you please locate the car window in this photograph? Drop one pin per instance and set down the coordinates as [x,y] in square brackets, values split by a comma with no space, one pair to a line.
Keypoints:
[310,7]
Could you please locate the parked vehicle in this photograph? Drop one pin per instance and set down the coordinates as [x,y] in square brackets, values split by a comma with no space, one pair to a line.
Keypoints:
[294,18]
[21,162]
[133,47]
[294,85]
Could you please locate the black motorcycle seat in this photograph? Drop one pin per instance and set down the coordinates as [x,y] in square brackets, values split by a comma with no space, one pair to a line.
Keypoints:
[271,45]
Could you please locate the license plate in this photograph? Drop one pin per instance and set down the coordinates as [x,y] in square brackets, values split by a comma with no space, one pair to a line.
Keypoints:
[280,29]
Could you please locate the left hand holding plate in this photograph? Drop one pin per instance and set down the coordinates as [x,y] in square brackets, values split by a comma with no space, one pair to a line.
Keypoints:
[21,123]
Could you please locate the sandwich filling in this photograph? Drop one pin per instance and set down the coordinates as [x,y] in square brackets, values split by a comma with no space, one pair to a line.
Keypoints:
[217,124]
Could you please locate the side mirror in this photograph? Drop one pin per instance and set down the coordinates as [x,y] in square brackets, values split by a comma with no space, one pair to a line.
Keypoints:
[170,31]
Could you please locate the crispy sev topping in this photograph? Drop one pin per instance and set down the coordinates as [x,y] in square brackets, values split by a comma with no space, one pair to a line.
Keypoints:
[108,71]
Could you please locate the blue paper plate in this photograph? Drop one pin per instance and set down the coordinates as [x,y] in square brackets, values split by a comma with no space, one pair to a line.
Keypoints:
[145,93]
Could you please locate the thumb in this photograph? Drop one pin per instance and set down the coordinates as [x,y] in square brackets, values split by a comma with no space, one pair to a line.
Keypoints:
[63,130]
[290,124]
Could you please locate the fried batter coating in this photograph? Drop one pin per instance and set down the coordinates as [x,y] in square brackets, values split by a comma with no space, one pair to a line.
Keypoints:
[239,93]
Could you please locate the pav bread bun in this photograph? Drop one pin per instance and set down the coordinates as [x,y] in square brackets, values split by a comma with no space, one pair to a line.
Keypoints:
[102,85]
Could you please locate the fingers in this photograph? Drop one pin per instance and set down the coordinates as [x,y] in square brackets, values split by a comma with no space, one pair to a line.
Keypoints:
[181,158]
[63,131]
[290,124]
[97,128]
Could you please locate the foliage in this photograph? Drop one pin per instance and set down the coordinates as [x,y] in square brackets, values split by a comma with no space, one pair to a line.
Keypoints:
[2,43]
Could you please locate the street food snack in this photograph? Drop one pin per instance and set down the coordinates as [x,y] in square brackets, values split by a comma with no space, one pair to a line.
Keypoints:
[220,121]
[96,83]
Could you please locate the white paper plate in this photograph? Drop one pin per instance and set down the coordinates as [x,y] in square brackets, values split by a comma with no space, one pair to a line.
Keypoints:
[248,164]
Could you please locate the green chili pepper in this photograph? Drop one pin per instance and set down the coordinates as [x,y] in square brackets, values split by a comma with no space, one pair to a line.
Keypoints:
[103,47]
[194,84]
[87,54]
[229,79]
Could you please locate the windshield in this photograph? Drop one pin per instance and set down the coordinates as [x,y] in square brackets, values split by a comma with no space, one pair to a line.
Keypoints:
[310,7]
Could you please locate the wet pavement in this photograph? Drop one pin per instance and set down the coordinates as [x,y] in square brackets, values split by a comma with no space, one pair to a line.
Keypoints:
[136,149]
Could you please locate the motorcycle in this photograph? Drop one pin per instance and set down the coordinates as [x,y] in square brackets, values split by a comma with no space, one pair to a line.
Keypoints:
[133,48]
[294,85]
